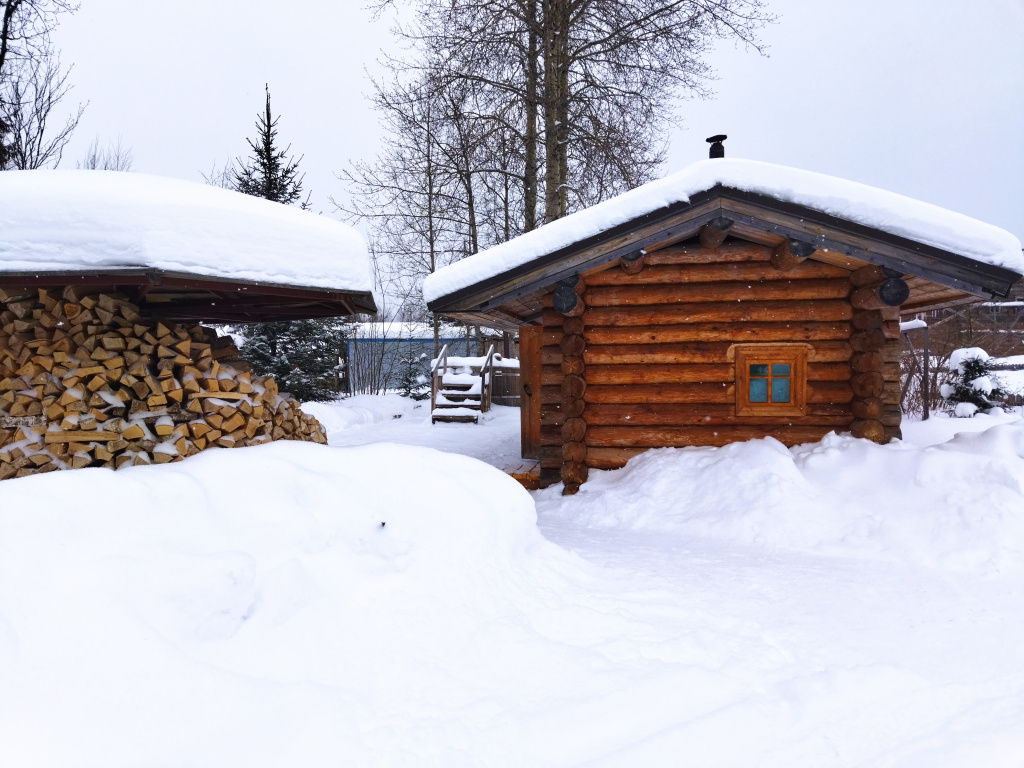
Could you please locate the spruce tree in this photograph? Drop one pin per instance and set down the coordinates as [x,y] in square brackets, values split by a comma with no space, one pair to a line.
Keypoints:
[302,355]
[971,386]
[269,172]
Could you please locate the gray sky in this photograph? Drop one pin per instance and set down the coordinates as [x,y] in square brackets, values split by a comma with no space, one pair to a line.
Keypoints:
[922,97]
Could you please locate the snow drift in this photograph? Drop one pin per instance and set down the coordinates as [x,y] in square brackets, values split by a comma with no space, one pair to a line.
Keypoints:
[959,504]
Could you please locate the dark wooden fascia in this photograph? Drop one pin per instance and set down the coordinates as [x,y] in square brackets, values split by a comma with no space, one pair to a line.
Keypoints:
[675,222]
[150,280]
[866,243]
[762,212]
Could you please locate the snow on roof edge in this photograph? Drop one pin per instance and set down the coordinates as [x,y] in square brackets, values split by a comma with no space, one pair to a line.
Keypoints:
[887,211]
[94,221]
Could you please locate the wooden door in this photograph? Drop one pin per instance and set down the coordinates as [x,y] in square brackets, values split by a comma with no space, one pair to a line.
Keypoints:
[529,389]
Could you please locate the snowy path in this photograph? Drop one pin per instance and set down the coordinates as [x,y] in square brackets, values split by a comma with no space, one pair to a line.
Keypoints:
[366,419]
[823,661]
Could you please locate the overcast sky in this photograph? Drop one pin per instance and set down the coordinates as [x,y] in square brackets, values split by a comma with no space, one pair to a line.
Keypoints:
[922,97]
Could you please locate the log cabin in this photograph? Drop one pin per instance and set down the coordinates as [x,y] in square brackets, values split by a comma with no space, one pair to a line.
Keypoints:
[733,300]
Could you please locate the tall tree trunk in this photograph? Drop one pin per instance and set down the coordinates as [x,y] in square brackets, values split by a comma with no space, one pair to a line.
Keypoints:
[530,133]
[556,98]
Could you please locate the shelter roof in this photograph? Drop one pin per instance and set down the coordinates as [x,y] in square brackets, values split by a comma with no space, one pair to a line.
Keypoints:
[182,250]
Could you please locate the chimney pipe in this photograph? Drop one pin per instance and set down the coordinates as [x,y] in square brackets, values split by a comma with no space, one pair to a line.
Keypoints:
[717,150]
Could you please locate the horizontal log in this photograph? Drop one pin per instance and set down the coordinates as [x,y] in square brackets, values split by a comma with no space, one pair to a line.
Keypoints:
[789,254]
[726,311]
[751,271]
[777,290]
[819,392]
[731,332]
[573,387]
[870,275]
[695,254]
[572,345]
[657,437]
[870,408]
[696,352]
[713,234]
[571,326]
[706,414]
[611,458]
[656,373]
[660,393]
[632,266]
[868,429]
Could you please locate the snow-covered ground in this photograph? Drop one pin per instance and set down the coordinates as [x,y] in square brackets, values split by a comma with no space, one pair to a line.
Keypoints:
[838,604]
[395,419]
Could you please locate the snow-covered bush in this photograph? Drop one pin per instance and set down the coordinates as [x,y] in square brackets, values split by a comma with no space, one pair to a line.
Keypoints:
[971,386]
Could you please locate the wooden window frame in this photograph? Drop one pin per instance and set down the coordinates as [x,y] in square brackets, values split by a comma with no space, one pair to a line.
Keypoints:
[751,354]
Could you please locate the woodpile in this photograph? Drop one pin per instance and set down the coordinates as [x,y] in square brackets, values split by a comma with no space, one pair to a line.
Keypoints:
[86,381]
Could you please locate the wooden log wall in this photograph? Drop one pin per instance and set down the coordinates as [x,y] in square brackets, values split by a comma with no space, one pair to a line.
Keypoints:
[85,381]
[649,364]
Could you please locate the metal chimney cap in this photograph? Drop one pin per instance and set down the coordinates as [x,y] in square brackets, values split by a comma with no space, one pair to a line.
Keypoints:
[717,150]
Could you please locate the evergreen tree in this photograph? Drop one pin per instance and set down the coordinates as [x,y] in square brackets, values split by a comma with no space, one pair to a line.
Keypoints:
[412,379]
[269,172]
[302,355]
[972,386]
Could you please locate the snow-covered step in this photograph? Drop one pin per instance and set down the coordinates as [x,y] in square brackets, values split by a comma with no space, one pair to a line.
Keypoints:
[455,414]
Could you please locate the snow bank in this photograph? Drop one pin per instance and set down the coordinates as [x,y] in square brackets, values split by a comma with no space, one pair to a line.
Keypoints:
[848,200]
[95,220]
[958,505]
[360,411]
[243,607]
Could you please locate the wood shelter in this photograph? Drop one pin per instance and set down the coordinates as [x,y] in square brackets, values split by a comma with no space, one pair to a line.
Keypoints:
[104,279]
[729,315]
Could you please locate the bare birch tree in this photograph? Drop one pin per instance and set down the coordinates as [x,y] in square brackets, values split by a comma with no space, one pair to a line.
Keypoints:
[32,84]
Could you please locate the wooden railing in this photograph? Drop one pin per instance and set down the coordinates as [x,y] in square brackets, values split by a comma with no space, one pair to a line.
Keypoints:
[487,380]
[437,373]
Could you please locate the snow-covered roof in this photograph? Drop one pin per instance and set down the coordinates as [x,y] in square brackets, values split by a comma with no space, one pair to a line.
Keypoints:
[859,203]
[93,221]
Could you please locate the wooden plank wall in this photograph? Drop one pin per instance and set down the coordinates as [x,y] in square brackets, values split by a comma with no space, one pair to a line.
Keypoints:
[656,365]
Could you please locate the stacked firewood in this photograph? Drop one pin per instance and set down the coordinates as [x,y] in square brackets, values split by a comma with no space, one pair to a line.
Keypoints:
[86,381]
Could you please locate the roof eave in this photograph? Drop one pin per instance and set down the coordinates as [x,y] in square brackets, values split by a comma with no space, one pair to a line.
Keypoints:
[684,219]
